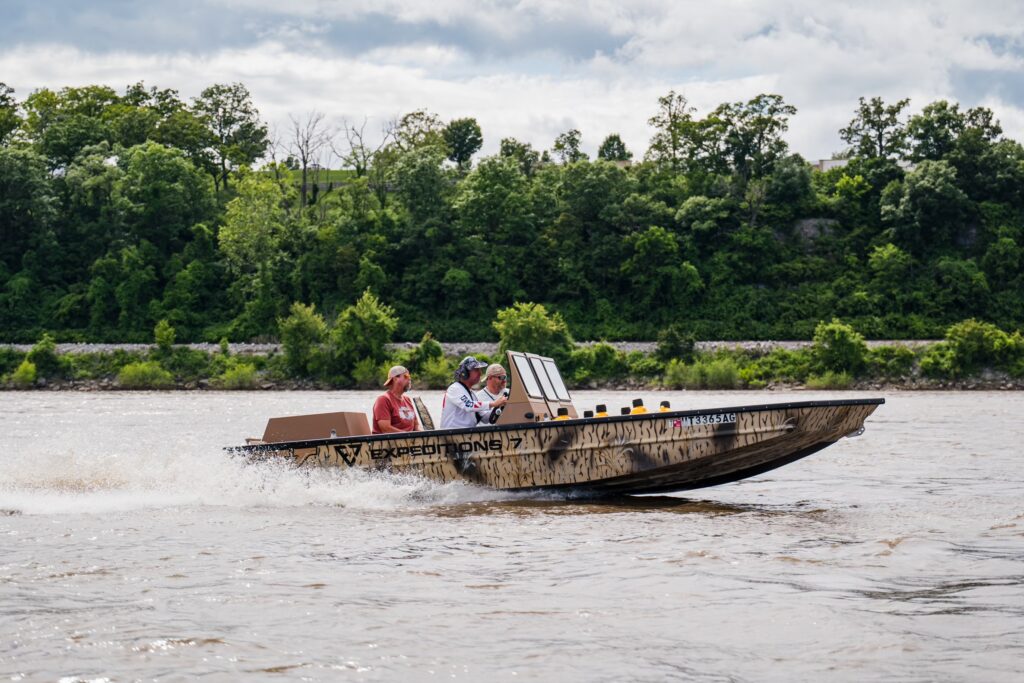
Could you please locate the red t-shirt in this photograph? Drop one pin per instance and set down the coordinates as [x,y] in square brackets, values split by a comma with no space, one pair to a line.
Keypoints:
[399,412]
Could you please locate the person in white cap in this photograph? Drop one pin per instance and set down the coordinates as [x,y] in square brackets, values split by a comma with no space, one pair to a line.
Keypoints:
[461,407]
[393,411]
[495,381]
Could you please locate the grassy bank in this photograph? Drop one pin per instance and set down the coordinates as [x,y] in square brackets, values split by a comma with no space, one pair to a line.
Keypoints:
[973,355]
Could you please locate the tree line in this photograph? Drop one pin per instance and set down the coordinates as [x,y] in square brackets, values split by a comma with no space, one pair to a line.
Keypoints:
[120,209]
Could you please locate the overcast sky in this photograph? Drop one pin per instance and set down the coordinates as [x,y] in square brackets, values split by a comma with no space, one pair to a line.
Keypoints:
[532,69]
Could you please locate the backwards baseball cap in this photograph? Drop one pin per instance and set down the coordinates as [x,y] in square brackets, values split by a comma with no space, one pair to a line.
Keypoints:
[494,369]
[396,371]
[468,365]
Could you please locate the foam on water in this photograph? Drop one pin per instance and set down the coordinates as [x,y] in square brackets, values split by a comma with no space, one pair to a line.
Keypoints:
[93,483]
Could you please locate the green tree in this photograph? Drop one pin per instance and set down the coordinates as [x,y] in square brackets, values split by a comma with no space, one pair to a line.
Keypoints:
[891,270]
[253,242]
[877,130]
[137,285]
[529,327]
[933,133]
[62,123]
[567,147]
[362,332]
[494,208]
[163,335]
[238,136]
[28,204]
[464,139]
[838,347]
[417,129]
[43,355]
[613,149]
[928,209]
[9,118]
[160,196]
[753,140]
[302,333]
[522,153]
[254,221]
[671,144]
[962,288]
[660,282]
[704,215]
[1002,261]
[493,202]
[421,182]
[186,130]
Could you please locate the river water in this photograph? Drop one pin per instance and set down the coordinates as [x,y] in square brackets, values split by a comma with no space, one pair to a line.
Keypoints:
[132,548]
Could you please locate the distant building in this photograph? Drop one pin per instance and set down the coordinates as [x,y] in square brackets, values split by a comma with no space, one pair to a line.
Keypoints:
[829,164]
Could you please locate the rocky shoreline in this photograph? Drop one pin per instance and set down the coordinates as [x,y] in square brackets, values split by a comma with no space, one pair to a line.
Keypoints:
[465,348]
[987,382]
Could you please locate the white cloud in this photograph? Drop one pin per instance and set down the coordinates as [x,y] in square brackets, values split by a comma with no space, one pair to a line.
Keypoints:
[820,56]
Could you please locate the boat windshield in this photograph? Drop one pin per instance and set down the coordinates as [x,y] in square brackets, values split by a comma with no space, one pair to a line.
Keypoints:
[545,381]
[529,381]
[556,380]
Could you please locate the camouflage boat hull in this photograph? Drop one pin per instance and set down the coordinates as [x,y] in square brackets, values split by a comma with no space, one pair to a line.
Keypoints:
[650,453]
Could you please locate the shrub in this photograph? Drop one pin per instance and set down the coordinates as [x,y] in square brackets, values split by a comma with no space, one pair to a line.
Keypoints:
[1011,352]
[528,327]
[721,373]
[25,374]
[435,373]
[838,347]
[679,375]
[239,375]
[144,375]
[9,359]
[225,347]
[642,365]
[975,344]
[362,332]
[164,335]
[970,345]
[44,356]
[427,349]
[939,361]
[100,365]
[779,365]
[189,364]
[302,332]
[368,374]
[890,361]
[673,342]
[598,362]
[830,380]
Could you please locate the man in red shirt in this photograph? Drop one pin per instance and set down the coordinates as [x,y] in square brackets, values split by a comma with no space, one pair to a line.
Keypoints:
[393,411]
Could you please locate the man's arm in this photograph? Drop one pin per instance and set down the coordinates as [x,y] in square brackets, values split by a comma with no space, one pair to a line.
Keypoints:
[386,426]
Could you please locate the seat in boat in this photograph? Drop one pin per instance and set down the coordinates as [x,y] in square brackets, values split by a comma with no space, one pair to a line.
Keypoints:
[426,421]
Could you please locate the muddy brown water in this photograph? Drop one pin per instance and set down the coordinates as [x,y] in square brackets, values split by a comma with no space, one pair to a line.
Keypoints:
[132,548]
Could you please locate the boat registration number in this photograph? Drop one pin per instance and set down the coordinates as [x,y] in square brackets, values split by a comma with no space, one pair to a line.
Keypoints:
[710,419]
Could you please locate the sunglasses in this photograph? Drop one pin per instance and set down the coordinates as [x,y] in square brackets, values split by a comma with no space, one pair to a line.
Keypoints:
[501,377]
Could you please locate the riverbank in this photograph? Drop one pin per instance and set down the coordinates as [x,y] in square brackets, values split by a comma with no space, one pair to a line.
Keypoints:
[1003,384]
[988,381]
[466,348]
[973,356]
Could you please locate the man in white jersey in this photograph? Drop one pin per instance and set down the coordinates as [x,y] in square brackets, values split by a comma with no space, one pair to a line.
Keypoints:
[461,407]
[495,381]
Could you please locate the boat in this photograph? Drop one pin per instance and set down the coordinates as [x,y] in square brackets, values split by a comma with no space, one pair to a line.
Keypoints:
[527,449]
